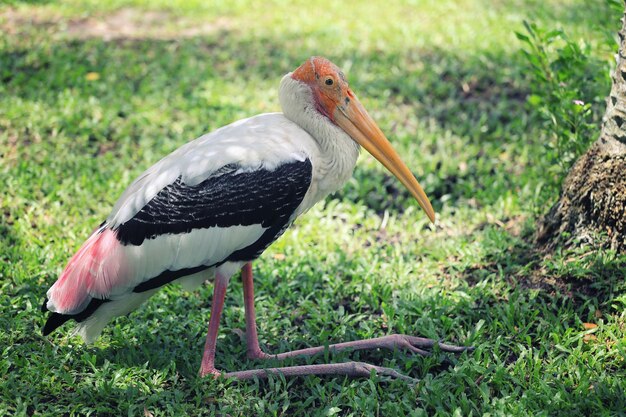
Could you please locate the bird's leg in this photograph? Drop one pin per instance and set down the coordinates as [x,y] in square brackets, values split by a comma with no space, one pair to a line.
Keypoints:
[252,338]
[411,343]
[219,293]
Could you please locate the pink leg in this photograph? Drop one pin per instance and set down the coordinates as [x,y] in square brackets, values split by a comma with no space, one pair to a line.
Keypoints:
[208,358]
[252,338]
[394,341]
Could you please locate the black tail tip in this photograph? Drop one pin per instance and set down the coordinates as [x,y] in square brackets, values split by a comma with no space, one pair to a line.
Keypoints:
[54,320]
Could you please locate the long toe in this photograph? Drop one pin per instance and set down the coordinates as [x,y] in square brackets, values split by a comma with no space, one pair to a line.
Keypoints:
[350,369]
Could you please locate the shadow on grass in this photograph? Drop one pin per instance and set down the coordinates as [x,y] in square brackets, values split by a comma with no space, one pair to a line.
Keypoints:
[583,274]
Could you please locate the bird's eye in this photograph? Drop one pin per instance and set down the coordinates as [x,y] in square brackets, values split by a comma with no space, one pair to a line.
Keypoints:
[329,81]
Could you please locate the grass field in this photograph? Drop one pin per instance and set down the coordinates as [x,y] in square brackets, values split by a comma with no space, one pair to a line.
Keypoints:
[94,92]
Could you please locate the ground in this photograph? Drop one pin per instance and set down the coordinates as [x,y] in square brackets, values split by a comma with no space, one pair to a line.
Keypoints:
[94,92]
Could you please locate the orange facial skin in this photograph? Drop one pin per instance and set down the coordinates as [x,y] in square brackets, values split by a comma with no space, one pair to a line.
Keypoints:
[328,83]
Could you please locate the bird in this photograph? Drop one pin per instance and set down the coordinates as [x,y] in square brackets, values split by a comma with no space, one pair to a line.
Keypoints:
[211,207]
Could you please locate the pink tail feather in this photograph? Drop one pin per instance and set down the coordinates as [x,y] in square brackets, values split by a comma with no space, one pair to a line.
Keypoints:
[92,272]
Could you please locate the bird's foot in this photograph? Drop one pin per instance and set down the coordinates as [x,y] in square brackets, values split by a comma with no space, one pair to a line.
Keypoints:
[417,345]
[350,369]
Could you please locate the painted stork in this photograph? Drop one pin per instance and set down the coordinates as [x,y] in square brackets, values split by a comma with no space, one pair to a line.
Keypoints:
[214,205]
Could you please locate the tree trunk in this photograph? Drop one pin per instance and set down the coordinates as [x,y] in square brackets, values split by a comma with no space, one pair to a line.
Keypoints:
[593,198]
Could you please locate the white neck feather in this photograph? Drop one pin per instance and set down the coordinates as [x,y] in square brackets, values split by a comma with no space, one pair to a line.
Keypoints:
[338,151]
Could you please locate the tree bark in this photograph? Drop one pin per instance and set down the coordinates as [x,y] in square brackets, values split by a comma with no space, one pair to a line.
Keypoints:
[593,197]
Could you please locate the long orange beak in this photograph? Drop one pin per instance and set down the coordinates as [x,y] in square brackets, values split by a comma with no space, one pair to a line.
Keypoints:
[356,122]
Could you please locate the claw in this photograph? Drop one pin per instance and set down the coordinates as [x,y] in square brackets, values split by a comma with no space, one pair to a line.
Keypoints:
[455,349]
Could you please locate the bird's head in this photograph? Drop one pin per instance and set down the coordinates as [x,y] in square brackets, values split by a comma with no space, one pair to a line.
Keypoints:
[335,100]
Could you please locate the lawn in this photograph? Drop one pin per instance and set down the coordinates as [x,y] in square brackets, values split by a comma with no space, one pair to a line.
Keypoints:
[94,92]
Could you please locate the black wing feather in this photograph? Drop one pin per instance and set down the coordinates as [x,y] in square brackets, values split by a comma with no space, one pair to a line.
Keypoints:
[229,197]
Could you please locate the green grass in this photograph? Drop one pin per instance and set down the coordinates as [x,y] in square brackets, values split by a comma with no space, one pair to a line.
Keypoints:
[448,84]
